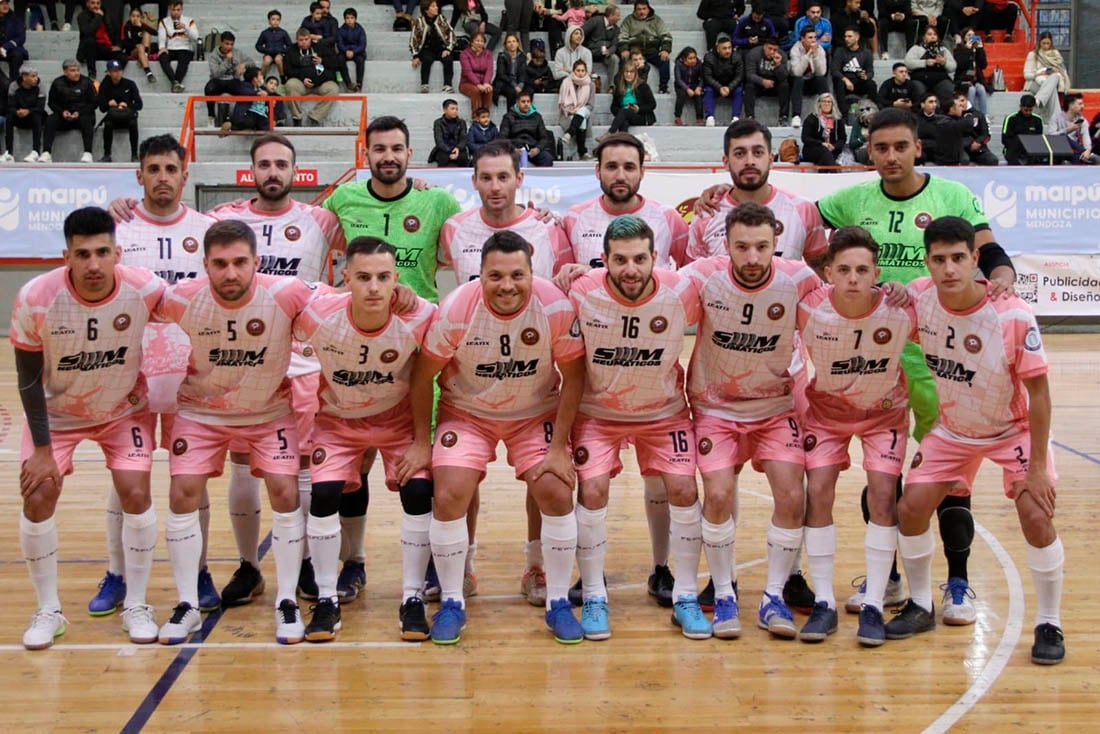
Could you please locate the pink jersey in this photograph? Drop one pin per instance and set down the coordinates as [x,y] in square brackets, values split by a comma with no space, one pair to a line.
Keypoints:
[979,359]
[502,367]
[92,351]
[741,368]
[240,351]
[362,373]
[857,361]
[464,234]
[801,233]
[633,348]
[586,223]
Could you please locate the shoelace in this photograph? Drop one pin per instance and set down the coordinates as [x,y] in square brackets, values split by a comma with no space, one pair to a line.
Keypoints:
[289,612]
[775,607]
[179,613]
[44,618]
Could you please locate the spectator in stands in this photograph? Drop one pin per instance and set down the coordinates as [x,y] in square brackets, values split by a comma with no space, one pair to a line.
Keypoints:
[970,65]
[524,127]
[540,77]
[511,71]
[1070,121]
[899,90]
[26,110]
[632,102]
[403,14]
[98,40]
[256,115]
[308,74]
[998,15]
[637,60]
[928,14]
[931,64]
[137,41]
[723,74]
[767,74]
[752,30]
[928,119]
[823,135]
[858,14]
[227,66]
[688,80]
[1046,75]
[13,39]
[546,12]
[858,137]
[476,79]
[719,16]
[449,131]
[853,69]
[120,101]
[176,38]
[518,15]
[601,37]
[1023,122]
[471,17]
[322,32]
[431,40]
[573,50]
[894,16]
[72,103]
[809,70]
[351,45]
[821,25]
[975,133]
[781,17]
[646,29]
[1095,127]
[482,131]
[273,43]
[575,107]
[959,14]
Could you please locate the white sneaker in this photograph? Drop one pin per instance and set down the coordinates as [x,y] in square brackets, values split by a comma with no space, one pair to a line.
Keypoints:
[894,597]
[885,56]
[958,609]
[7,158]
[86,158]
[45,158]
[710,121]
[289,628]
[566,139]
[31,157]
[141,623]
[185,621]
[796,122]
[67,27]
[46,624]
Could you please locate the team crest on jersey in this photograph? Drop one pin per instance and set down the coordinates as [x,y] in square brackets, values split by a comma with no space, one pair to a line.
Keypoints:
[292,233]
[580,456]
[179,446]
[787,389]
[658,324]
[318,456]
[776,311]
[1032,341]
[133,398]
[448,440]
[190,245]
[390,355]
[809,442]
[887,404]
[255,327]
[778,227]
[121,322]
[972,343]
[918,459]
[307,351]
[705,446]
[882,336]
[922,220]
[530,337]
[411,224]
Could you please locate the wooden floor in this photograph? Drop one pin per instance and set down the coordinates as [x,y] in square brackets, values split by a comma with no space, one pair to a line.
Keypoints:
[509,675]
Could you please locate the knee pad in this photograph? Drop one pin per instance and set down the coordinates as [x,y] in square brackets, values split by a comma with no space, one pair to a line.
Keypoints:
[416,497]
[354,504]
[325,498]
[863,505]
[956,523]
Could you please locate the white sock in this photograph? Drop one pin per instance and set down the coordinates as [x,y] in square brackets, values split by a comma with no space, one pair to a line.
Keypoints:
[656,514]
[591,550]
[244,511]
[471,554]
[916,554]
[305,496]
[324,539]
[718,545]
[39,543]
[685,546]
[416,549]
[353,542]
[139,539]
[532,552]
[821,548]
[184,539]
[204,526]
[288,532]
[559,548]
[116,564]
[880,544]
[450,541]
[784,545]
[1047,566]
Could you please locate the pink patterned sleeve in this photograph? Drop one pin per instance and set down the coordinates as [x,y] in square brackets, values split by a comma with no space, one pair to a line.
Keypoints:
[26,320]
[563,251]
[446,239]
[816,244]
[451,321]
[696,247]
[330,228]
[1023,343]
[678,229]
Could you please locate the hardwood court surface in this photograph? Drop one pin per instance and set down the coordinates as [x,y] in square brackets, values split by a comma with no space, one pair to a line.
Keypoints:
[508,674]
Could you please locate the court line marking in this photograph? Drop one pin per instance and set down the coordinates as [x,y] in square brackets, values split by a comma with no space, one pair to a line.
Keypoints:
[126,650]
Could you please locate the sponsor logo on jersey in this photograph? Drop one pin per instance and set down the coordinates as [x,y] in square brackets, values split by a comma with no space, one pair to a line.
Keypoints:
[354,378]
[175,276]
[318,456]
[972,343]
[255,327]
[596,324]
[411,223]
[860,366]
[717,305]
[477,341]
[705,446]
[949,369]
[882,336]
[275,265]
[122,322]
[512,369]
[179,446]
[236,357]
[190,245]
[94,360]
[292,233]
[530,337]
[658,324]
[1032,341]
[627,357]
[776,311]
[409,257]
[333,349]
[900,255]
[448,440]
[741,341]
[390,355]
[62,330]
[580,456]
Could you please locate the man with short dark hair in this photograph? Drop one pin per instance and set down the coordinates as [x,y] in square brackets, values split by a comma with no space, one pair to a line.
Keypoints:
[723,71]
[72,100]
[767,73]
[99,38]
[1023,122]
[177,38]
[646,29]
[120,101]
[899,90]
[524,127]
[227,66]
[308,74]
[809,70]
[752,30]
[449,131]
[853,68]
[601,37]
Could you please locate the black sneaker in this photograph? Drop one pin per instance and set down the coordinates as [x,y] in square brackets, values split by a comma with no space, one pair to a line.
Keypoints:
[797,594]
[414,621]
[911,620]
[352,579]
[706,596]
[872,631]
[576,592]
[325,622]
[1049,647]
[821,624]
[247,583]
[307,583]
[662,89]
[660,585]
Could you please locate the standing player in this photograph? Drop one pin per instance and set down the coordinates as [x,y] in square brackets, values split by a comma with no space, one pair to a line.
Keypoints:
[236,388]
[620,168]
[500,343]
[990,369]
[742,399]
[367,356]
[633,319]
[77,333]
[855,339]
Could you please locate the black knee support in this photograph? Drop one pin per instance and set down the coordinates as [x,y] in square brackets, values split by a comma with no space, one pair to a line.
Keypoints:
[325,498]
[416,497]
[956,523]
[863,500]
[354,504]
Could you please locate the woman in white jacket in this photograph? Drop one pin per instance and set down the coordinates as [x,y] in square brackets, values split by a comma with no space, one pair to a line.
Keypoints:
[575,105]
[1046,75]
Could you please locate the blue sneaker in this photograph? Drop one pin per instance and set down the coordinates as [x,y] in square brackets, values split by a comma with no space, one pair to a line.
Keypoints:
[776,618]
[726,625]
[560,620]
[112,592]
[958,609]
[448,623]
[431,583]
[594,619]
[689,617]
[208,594]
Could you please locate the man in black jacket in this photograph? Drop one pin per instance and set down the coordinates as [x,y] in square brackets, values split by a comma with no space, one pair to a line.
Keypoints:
[120,100]
[449,132]
[308,74]
[753,29]
[13,39]
[26,109]
[895,16]
[72,103]
[601,37]
[1024,122]
[899,90]
[523,126]
[719,16]
[722,74]
[99,40]
[975,132]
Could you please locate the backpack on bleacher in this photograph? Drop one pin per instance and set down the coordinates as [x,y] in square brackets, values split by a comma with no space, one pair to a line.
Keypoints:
[209,42]
[402,23]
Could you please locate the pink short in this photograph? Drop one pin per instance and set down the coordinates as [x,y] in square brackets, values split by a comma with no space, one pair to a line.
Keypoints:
[470,441]
[126,442]
[940,459]
[199,448]
[724,444]
[339,445]
[883,435]
[663,447]
[306,404]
